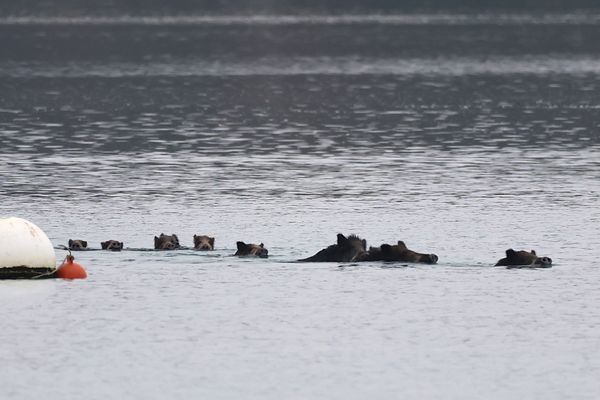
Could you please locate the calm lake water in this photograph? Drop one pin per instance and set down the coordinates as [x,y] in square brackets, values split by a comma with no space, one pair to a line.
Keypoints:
[461,135]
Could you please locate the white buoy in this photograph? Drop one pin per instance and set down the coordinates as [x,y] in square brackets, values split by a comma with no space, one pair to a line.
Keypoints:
[25,250]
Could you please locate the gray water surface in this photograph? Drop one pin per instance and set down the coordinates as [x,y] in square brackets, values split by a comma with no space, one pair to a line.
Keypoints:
[461,137]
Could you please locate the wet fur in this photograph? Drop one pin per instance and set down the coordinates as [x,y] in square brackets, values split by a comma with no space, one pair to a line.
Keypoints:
[524,258]
[347,249]
[166,242]
[77,244]
[203,242]
[397,252]
[250,249]
[112,245]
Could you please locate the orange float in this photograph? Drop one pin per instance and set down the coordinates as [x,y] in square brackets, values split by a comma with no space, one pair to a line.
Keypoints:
[70,270]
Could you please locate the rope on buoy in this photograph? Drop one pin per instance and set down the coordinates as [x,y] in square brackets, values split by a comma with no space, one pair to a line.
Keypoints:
[44,274]
[56,269]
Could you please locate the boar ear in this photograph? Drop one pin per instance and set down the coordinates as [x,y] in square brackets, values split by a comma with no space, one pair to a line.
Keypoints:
[364,243]
[195,236]
[70,242]
[156,242]
[211,241]
[175,236]
[262,245]
[104,245]
[241,246]
[386,248]
[84,243]
[533,252]
[341,239]
[510,253]
[401,244]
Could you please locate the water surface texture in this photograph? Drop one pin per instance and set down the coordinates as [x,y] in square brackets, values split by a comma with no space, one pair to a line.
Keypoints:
[463,135]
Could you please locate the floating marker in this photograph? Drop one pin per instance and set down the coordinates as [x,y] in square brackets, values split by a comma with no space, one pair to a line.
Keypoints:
[25,250]
[70,269]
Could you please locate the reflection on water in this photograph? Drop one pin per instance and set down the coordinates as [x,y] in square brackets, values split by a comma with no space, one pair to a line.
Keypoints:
[307,66]
[315,114]
[466,141]
[487,19]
